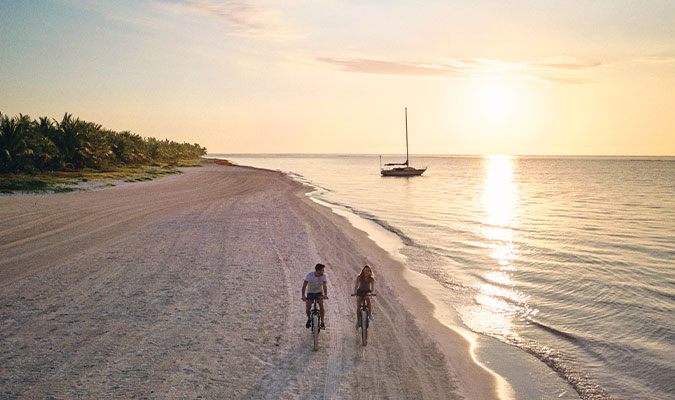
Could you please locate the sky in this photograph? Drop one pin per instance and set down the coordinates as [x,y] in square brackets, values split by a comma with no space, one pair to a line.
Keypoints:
[517,77]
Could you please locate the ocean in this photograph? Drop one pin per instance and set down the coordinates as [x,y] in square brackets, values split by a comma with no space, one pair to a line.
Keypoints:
[570,260]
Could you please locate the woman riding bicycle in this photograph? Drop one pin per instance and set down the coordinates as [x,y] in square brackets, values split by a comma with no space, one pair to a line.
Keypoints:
[364,285]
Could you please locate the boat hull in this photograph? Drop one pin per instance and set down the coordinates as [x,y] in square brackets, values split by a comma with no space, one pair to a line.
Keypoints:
[403,172]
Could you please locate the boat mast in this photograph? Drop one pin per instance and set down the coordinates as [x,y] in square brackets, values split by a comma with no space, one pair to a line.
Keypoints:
[406,136]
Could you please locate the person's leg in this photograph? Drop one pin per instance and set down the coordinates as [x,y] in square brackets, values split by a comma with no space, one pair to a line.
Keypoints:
[370,310]
[358,307]
[308,310]
[321,311]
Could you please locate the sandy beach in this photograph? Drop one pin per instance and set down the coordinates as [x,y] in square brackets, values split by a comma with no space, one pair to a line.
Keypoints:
[189,287]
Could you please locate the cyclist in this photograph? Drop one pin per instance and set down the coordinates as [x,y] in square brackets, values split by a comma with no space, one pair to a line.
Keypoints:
[315,283]
[365,283]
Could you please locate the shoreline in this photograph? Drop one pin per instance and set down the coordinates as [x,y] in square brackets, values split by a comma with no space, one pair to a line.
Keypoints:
[150,290]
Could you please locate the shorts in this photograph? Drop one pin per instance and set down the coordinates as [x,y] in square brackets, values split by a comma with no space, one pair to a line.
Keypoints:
[362,292]
[312,296]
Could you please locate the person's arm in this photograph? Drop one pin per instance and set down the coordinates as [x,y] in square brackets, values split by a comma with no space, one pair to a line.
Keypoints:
[356,286]
[304,286]
[372,286]
[325,289]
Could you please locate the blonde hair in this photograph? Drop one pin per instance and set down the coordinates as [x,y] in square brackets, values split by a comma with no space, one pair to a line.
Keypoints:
[362,276]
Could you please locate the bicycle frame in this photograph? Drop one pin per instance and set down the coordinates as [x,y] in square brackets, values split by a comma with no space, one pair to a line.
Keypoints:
[364,312]
[315,316]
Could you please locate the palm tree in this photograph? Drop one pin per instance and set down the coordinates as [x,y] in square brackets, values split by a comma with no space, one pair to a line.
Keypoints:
[27,145]
[48,156]
[16,154]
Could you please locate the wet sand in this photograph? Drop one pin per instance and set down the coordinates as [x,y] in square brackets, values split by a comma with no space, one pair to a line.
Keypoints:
[189,286]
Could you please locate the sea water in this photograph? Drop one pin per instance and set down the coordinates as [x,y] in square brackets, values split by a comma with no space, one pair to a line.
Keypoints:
[571,260]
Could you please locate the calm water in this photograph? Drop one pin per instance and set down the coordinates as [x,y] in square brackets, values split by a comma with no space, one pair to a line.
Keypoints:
[569,259]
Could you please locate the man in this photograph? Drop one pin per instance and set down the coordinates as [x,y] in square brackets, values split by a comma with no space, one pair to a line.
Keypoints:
[315,283]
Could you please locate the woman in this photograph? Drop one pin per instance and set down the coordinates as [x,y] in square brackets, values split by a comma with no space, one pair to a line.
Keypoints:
[365,284]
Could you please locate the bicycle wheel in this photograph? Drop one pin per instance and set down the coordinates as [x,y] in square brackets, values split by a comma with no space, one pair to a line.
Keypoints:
[315,330]
[364,326]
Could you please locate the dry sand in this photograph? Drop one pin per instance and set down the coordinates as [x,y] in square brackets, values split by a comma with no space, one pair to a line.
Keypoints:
[189,287]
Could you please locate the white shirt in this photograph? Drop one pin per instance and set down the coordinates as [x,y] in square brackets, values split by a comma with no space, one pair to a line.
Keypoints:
[315,283]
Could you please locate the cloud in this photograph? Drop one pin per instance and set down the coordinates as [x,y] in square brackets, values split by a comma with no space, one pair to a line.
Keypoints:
[657,59]
[560,80]
[547,70]
[242,17]
[384,67]
[565,63]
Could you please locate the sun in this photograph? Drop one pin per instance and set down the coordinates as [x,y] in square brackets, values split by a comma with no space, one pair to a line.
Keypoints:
[495,102]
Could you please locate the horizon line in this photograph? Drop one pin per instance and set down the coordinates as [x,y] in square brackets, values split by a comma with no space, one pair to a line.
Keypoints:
[444,155]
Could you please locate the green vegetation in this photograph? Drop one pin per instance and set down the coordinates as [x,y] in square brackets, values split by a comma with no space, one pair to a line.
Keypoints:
[21,182]
[47,155]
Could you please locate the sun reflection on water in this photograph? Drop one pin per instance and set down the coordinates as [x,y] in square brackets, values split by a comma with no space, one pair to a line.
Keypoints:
[498,300]
[499,196]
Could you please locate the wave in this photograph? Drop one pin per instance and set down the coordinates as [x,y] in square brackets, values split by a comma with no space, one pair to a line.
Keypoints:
[583,383]
[557,332]
[302,179]
[384,224]
[321,190]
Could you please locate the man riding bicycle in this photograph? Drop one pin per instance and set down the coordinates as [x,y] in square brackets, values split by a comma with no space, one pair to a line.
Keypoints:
[316,285]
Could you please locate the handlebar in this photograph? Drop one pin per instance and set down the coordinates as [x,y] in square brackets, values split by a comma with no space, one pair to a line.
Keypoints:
[367,295]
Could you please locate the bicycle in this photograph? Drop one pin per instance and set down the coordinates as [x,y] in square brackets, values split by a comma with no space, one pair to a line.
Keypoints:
[364,317]
[315,317]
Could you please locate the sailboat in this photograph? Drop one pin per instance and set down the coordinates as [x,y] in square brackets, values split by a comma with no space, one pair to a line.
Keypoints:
[405,169]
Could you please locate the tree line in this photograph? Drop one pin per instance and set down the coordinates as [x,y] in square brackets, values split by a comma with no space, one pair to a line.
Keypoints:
[37,145]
